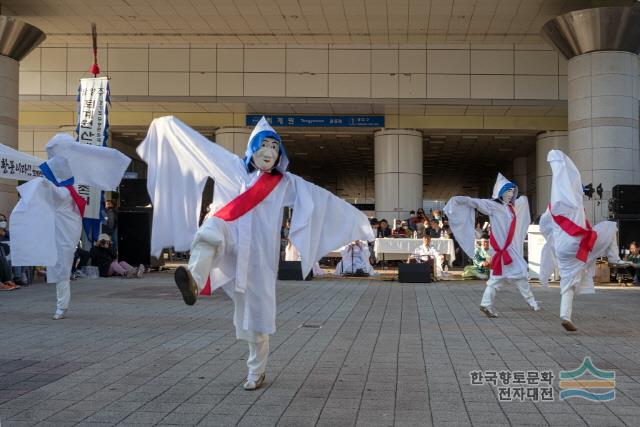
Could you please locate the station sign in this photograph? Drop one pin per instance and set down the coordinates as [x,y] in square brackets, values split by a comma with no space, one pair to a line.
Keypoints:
[318,121]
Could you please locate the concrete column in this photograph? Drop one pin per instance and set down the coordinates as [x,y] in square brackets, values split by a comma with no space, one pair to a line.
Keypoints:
[547,141]
[233,139]
[520,174]
[603,122]
[9,72]
[398,172]
[17,39]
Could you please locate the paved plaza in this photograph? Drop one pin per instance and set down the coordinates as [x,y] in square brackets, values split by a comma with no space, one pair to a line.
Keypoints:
[346,352]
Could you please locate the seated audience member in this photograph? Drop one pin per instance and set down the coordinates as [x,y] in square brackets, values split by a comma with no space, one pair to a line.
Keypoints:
[420,212]
[355,260]
[374,225]
[81,259]
[479,231]
[435,232]
[428,254]
[402,230]
[634,258]
[383,229]
[104,257]
[481,262]
[420,226]
[411,221]
[437,216]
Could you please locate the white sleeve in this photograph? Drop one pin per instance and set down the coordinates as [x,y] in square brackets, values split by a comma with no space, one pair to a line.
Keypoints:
[179,162]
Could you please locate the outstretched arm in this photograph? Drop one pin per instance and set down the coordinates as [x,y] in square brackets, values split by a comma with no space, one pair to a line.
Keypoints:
[322,222]
[462,217]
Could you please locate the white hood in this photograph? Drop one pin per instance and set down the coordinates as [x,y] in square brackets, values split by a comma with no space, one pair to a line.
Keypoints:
[501,182]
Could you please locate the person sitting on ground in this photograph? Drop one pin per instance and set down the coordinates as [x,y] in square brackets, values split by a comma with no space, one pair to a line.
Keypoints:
[634,258]
[383,229]
[355,260]
[425,253]
[104,257]
[481,262]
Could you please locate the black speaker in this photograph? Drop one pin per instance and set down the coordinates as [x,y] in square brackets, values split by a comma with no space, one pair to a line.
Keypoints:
[291,270]
[626,193]
[133,193]
[628,231]
[134,235]
[415,273]
[618,206]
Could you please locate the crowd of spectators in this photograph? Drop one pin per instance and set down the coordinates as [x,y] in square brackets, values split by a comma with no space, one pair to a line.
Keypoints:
[417,225]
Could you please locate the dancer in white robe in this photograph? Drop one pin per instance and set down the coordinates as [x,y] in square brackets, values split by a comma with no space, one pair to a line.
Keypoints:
[292,254]
[47,221]
[355,256]
[238,247]
[509,217]
[571,243]
[425,253]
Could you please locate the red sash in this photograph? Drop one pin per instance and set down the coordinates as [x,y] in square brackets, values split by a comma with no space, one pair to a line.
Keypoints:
[589,236]
[243,203]
[80,201]
[501,255]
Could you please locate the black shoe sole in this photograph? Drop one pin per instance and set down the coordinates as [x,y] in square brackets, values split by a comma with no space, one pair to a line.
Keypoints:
[488,313]
[569,326]
[183,279]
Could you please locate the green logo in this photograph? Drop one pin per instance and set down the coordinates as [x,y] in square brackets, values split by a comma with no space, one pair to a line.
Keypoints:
[599,386]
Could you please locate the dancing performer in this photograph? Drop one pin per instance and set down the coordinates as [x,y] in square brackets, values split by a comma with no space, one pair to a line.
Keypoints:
[509,217]
[46,224]
[571,242]
[237,248]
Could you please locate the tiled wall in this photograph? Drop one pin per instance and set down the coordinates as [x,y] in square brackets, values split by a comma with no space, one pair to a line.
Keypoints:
[430,71]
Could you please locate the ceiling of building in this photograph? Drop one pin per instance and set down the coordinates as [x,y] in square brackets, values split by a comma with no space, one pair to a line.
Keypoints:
[293,21]
[343,162]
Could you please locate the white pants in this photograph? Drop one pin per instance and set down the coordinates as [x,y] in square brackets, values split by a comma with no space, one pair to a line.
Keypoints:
[494,284]
[566,303]
[211,240]
[63,293]
[258,342]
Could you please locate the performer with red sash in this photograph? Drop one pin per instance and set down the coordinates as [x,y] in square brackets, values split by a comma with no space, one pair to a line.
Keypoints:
[571,242]
[509,217]
[238,247]
[46,224]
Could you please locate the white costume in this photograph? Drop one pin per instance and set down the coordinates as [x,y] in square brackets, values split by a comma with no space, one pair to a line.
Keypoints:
[239,255]
[423,253]
[292,254]
[46,223]
[563,249]
[355,256]
[508,264]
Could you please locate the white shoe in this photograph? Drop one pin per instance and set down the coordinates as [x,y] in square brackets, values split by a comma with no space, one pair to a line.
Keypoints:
[140,271]
[59,315]
[534,306]
[251,385]
[489,311]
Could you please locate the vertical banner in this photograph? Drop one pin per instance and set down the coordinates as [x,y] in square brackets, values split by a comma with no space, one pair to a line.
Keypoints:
[93,128]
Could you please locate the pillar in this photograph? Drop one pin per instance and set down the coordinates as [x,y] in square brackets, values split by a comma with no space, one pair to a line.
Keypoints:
[520,174]
[17,40]
[398,172]
[603,91]
[233,139]
[603,122]
[547,141]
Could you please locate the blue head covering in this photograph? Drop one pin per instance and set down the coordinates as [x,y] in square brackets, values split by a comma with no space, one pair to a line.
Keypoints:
[264,130]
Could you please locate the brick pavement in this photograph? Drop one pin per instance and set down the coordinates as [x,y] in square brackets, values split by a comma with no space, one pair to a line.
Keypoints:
[351,352]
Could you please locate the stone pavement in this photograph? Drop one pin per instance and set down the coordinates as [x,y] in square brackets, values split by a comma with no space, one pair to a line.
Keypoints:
[346,352]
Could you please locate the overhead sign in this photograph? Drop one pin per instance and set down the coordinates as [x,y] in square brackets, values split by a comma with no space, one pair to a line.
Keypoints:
[318,121]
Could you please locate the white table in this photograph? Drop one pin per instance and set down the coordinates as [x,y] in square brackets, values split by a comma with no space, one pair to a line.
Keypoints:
[393,249]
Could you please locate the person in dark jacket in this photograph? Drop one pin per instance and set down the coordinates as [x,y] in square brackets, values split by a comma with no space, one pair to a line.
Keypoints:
[383,229]
[104,257]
